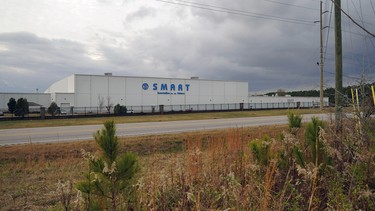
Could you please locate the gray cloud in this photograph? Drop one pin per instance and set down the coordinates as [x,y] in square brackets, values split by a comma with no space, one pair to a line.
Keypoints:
[31,62]
[165,40]
[141,13]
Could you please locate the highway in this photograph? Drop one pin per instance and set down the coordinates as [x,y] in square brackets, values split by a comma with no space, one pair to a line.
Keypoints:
[85,132]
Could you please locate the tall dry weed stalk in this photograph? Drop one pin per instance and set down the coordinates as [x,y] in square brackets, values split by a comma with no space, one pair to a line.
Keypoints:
[65,192]
[269,181]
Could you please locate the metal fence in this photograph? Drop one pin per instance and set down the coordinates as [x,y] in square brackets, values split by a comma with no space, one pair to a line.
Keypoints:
[188,108]
[191,108]
[135,110]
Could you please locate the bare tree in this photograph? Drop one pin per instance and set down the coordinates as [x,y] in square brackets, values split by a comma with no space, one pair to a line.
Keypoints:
[281,92]
[100,103]
[109,104]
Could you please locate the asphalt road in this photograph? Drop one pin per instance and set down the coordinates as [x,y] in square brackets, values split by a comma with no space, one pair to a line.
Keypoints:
[85,132]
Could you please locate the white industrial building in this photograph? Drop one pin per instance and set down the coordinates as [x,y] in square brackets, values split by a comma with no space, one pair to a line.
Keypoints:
[89,90]
[79,90]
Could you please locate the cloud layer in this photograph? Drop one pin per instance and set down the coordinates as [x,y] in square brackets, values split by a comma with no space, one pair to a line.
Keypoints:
[270,44]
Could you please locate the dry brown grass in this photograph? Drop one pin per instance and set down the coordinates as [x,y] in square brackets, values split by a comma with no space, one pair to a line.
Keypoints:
[212,170]
[29,173]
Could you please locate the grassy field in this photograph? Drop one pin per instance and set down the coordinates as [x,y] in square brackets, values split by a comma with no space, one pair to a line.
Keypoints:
[152,118]
[29,173]
[259,168]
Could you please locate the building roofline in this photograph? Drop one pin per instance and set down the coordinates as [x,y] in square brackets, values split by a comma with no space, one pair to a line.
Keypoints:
[28,93]
[120,76]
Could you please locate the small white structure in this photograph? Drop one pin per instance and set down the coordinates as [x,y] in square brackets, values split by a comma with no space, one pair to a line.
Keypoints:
[271,102]
[38,98]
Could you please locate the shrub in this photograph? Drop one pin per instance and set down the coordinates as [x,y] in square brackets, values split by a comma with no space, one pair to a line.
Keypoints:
[113,173]
[120,110]
[312,138]
[52,109]
[294,120]
[261,149]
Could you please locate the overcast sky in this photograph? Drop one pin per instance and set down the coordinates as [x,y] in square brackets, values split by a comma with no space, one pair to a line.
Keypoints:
[272,44]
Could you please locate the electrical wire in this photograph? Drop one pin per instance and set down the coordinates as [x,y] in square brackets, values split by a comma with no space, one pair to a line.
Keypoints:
[293,5]
[283,19]
[329,27]
[236,12]
[355,22]
[372,6]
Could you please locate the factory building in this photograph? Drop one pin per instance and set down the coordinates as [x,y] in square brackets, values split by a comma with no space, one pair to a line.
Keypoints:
[92,91]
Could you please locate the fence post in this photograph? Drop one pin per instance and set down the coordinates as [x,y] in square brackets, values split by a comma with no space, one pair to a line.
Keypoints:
[161,109]
[42,112]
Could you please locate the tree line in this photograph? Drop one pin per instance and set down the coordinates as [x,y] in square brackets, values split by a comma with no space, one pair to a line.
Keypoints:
[364,92]
[21,108]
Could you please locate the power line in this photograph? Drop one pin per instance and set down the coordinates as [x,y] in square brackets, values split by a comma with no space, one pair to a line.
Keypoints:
[237,12]
[346,76]
[356,10]
[372,6]
[329,27]
[353,57]
[355,22]
[293,5]
[349,32]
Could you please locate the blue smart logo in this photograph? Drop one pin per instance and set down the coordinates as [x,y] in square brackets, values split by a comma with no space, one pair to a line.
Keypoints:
[145,86]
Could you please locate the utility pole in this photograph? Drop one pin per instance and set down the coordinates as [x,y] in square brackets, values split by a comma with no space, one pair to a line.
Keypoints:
[338,66]
[321,56]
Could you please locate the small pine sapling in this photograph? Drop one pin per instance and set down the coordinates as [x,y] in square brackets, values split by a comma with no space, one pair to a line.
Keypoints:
[294,122]
[113,172]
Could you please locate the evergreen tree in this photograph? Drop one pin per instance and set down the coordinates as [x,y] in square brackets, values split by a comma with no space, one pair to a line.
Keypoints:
[120,110]
[113,172]
[12,105]
[22,107]
[52,109]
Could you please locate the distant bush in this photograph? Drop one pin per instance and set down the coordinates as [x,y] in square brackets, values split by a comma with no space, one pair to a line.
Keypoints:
[22,107]
[120,110]
[52,109]
[12,105]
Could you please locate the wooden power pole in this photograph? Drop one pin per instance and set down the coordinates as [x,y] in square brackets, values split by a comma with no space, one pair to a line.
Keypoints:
[321,56]
[338,66]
